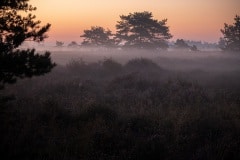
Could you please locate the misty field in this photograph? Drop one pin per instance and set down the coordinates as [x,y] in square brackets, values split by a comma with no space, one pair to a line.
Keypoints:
[112,104]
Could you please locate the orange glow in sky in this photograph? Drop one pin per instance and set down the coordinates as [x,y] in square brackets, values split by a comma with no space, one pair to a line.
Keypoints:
[187,19]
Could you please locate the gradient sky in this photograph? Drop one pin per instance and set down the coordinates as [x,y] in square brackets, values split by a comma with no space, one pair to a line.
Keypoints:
[187,19]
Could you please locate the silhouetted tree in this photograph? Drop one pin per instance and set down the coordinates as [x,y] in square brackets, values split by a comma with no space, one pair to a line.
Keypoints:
[140,30]
[193,48]
[181,44]
[97,36]
[231,36]
[14,30]
[59,43]
[73,44]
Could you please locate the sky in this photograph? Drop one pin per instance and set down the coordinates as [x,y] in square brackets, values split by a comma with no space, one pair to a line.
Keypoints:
[199,20]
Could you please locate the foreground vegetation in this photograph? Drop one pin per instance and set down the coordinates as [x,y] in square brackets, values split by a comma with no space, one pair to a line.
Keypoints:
[107,110]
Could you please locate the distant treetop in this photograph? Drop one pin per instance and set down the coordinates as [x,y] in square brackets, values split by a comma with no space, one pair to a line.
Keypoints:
[180,43]
[59,43]
[73,44]
[98,37]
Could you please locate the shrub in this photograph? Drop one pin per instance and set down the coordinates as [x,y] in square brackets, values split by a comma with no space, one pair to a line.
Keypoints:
[141,65]
[111,67]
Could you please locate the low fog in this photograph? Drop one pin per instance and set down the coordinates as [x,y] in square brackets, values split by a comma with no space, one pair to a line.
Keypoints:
[172,59]
[211,67]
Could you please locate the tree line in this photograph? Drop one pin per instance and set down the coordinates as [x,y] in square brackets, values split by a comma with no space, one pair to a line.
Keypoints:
[140,30]
[136,30]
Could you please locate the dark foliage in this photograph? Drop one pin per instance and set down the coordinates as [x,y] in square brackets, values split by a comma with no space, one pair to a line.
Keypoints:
[97,37]
[73,44]
[14,30]
[140,30]
[15,4]
[141,64]
[193,48]
[23,63]
[180,43]
[231,36]
[59,43]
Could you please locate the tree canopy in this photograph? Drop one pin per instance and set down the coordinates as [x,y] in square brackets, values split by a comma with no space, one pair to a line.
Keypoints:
[231,36]
[14,30]
[180,43]
[59,43]
[140,30]
[97,36]
[73,44]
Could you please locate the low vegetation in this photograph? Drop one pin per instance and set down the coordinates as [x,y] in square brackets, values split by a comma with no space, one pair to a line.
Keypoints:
[107,110]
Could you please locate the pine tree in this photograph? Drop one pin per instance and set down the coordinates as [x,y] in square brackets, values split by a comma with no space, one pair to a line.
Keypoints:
[14,30]
[231,36]
[140,30]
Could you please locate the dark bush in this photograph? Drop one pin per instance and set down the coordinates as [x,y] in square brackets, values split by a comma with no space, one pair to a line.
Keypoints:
[111,67]
[142,65]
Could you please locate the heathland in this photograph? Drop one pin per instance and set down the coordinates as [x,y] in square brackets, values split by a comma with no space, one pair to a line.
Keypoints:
[126,104]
